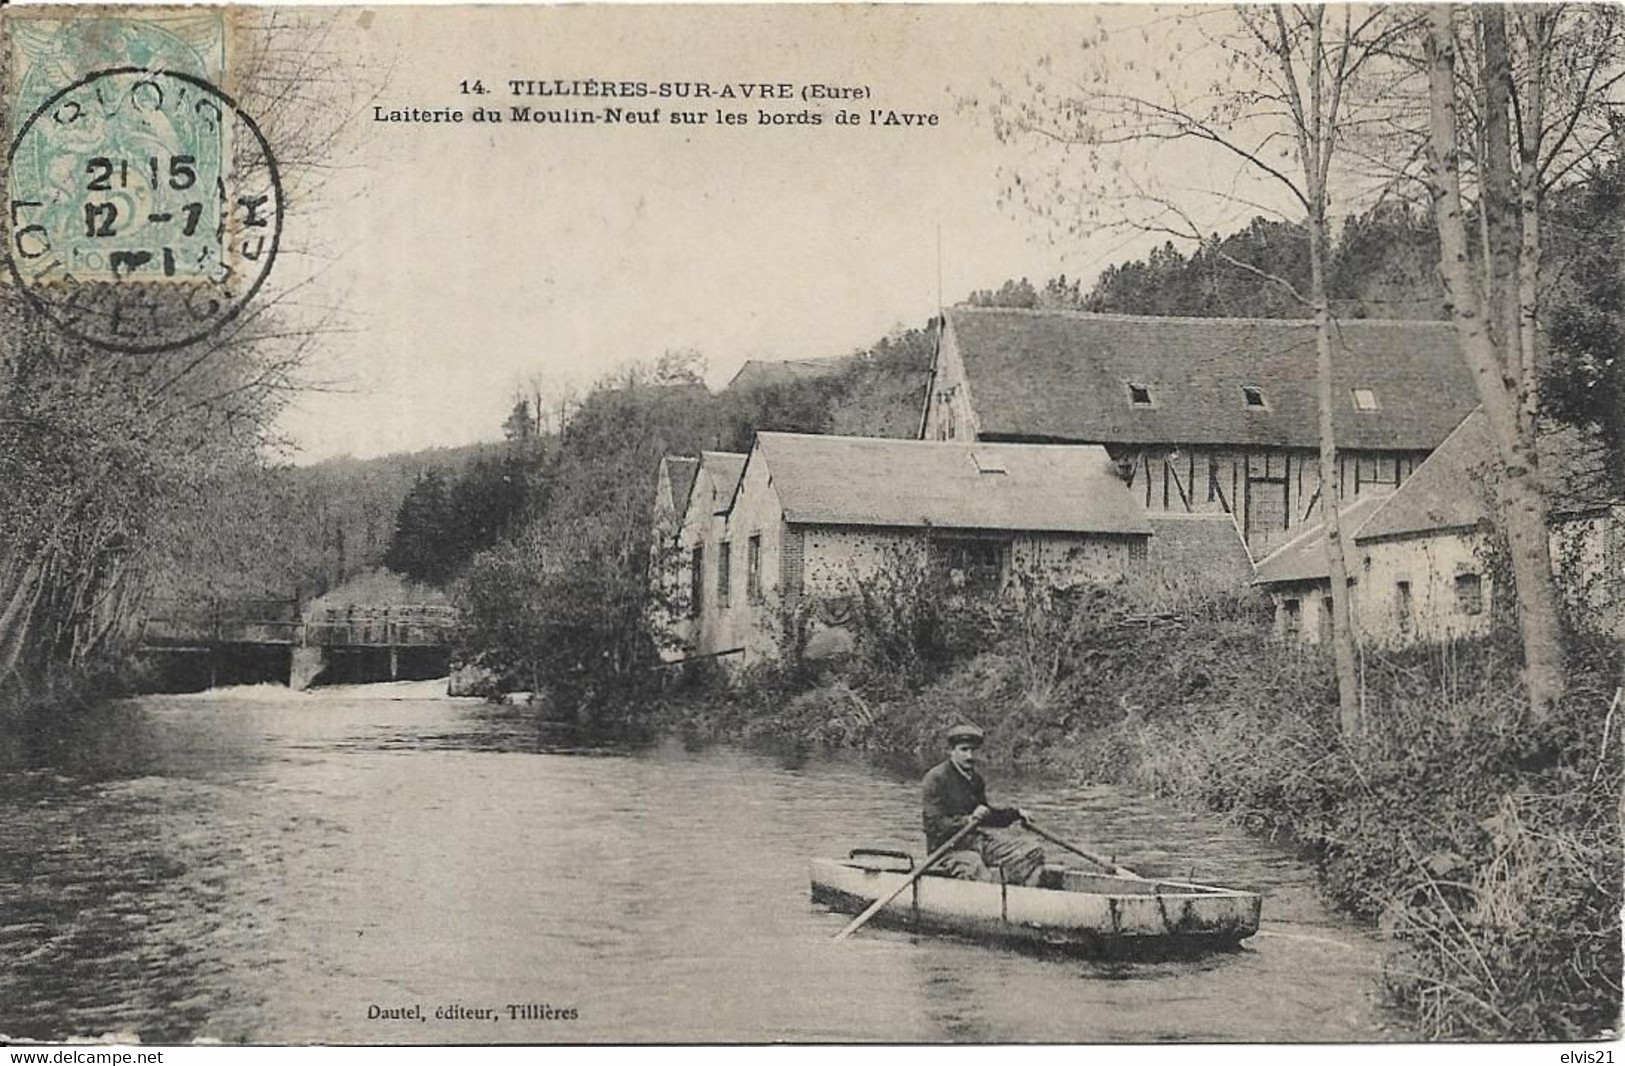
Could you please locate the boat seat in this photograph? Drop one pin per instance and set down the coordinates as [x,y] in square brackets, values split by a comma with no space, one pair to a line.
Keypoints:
[881,859]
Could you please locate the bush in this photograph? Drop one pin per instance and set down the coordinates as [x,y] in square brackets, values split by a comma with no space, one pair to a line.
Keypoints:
[575,635]
[1487,851]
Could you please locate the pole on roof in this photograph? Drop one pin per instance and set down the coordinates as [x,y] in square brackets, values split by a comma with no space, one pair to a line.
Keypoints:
[939,269]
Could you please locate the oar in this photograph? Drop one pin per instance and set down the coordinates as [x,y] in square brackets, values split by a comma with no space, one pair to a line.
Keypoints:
[930,860]
[1096,859]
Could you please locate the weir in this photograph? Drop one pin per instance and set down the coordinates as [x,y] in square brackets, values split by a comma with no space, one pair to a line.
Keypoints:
[202,645]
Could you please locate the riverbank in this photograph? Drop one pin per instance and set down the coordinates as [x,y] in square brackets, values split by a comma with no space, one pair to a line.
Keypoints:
[1483,845]
[62,714]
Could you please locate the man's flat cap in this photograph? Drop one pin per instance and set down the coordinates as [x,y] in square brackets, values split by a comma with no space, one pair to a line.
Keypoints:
[964,733]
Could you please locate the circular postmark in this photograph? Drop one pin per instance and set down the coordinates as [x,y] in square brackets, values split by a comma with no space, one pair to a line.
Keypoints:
[145,209]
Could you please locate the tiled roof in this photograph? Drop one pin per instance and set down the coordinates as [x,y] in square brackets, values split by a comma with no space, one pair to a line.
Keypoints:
[679,471]
[757,373]
[870,481]
[1303,558]
[725,469]
[1449,489]
[1065,376]
[1208,545]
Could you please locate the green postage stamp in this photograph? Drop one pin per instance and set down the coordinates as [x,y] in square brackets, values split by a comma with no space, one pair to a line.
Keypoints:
[144,206]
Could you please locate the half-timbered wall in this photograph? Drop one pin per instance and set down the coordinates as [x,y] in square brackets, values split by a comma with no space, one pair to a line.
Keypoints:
[1270,492]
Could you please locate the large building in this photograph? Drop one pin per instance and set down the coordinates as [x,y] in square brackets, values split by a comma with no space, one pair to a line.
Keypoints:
[1203,414]
[805,518]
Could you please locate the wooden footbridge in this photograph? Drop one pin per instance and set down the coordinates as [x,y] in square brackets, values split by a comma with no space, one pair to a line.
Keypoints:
[253,636]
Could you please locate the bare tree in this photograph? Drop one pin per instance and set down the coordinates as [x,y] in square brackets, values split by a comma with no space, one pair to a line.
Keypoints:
[1540,90]
[94,445]
[1289,75]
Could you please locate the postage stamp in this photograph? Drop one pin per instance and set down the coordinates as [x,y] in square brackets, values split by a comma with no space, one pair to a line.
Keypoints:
[145,207]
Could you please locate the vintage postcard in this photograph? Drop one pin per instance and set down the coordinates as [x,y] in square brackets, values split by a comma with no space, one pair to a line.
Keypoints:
[977,524]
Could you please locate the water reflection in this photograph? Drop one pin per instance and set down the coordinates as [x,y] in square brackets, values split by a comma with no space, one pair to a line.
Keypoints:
[268,866]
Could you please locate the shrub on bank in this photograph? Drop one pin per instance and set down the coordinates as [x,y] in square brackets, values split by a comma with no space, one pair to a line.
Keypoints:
[1487,848]
[59,714]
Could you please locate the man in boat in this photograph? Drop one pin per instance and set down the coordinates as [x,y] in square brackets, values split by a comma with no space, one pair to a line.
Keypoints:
[955,794]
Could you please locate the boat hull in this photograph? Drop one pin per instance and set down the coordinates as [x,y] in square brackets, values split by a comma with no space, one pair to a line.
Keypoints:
[1089,912]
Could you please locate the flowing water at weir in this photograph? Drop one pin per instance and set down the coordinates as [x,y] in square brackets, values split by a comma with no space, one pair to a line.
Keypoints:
[257,865]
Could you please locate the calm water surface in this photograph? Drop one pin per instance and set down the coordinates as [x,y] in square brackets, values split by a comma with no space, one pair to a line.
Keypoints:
[263,866]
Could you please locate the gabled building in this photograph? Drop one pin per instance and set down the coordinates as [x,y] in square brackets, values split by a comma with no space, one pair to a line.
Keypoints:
[690,564]
[1203,414]
[1418,559]
[676,478]
[768,373]
[811,516]
[1295,575]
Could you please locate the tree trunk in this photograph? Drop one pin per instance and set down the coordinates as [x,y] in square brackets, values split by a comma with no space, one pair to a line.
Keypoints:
[17,618]
[1535,35]
[1315,118]
[1331,489]
[1518,501]
[1499,193]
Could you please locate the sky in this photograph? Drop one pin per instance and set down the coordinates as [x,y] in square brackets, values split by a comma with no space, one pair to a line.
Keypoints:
[471,258]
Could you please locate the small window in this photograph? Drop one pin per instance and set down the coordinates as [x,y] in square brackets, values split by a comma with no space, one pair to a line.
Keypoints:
[696,581]
[988,464]
[1366,400]
[753,568]
[976,563]
[724,572]
[1254,397]
[1291,617]
[1403,605]
[1139,395]
[1470,594]
[1325,619]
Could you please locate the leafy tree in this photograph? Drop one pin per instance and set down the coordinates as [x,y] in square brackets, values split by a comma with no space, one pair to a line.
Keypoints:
[423,547]
[520,424]
[1583,383]
[1019,294]
[1385,265]
[564,608]
[802,406]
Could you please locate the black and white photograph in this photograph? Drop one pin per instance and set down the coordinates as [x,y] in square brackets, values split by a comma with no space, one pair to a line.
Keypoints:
[812,524]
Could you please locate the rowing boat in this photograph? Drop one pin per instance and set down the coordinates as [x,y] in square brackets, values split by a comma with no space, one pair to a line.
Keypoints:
[1075,909]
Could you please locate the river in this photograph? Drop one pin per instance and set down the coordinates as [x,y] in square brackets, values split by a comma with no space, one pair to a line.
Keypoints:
[256,865]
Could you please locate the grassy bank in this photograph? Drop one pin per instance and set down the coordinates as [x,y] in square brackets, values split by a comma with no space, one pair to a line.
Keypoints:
[1484,846]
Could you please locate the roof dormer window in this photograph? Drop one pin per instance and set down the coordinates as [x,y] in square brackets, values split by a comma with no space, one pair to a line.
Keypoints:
[988,464]
[1139,395]
[1366,400]
[1254,396]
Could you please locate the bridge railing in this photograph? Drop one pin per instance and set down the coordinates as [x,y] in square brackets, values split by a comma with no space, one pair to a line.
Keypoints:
[279,622]
[409,625]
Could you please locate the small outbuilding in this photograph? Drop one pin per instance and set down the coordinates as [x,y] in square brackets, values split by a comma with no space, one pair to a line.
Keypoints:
[1420,560]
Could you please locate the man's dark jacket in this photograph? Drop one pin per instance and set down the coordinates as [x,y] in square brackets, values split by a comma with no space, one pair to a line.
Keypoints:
[950,796]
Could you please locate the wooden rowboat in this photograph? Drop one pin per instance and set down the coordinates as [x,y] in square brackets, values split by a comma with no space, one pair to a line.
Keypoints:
[1074,909]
